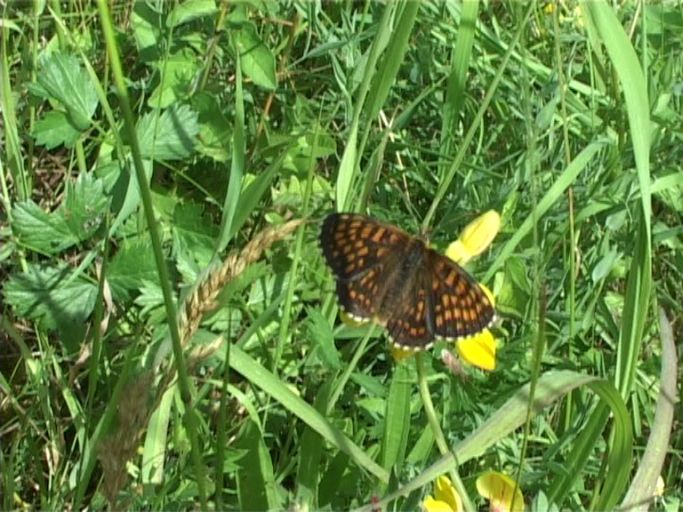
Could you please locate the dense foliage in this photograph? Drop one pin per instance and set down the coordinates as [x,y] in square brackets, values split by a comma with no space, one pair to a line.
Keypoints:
[170,333]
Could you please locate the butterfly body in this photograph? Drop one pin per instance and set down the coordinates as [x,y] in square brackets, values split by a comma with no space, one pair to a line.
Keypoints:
[387,275]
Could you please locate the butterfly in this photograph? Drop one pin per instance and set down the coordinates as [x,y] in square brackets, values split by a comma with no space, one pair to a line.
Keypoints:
[385,274]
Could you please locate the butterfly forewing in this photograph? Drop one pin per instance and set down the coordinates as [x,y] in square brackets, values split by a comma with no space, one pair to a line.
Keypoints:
[353,244]
[386,274]
[359,249]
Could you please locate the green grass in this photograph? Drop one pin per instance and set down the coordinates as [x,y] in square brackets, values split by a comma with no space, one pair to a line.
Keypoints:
[145,147]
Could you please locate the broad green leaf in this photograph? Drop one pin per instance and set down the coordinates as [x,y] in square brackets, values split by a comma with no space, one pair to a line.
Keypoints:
[255,480]
[309,467]
[258,63]
[190,10]
[237,164]
[347,170]
[215,130]
[390,63]
[74,221]
[39,230]
[63,79]
[54,129]
[168,136]
[194,238]
[460,62]
[302,150]
[130,267]
[251,195]
[147,30]
[85,206]
[176,73]
[123,188]
[54,296]
[156,440]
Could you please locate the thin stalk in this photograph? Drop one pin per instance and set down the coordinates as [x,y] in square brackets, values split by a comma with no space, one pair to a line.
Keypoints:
[184,383]
[439,437]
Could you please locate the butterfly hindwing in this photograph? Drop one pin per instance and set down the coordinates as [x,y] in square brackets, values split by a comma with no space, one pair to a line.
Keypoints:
[357,297]
[461,308]
[412,326]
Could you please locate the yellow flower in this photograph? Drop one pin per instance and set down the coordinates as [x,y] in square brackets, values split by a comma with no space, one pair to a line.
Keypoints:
[446,498]
[501,491]
[479,350]
[475,238]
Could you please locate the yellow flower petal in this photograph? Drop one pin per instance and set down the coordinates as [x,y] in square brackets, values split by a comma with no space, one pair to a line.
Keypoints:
[499,489]
[458,253]
[475,238]
[479,350]
[445,492]
[432,505]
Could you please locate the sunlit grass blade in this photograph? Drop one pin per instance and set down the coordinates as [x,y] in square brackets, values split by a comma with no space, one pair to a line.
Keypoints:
[554,194]
[242,363]
[256,488]
[349,166]
[308,470]
[551,387]
[237,163]
[455,91]
[397,417]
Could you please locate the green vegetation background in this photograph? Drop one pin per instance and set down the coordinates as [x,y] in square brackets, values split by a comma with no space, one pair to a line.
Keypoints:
[144,141]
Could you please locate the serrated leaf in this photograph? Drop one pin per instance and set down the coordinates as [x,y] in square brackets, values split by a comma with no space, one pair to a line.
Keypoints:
[123,188]
[84,206]
[131,267]
[258,63]
[190,10]
[74,221]
[194,239]
[54,296]
[178,71]
[168,136]
[39,230]
[55,129]
[215,131]
[63,79]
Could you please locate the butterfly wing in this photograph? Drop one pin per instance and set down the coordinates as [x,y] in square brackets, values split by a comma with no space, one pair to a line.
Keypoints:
[412,325]
[461,308]
[358,249]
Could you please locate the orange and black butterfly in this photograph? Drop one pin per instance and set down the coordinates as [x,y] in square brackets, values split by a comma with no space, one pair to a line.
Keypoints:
[387,275]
